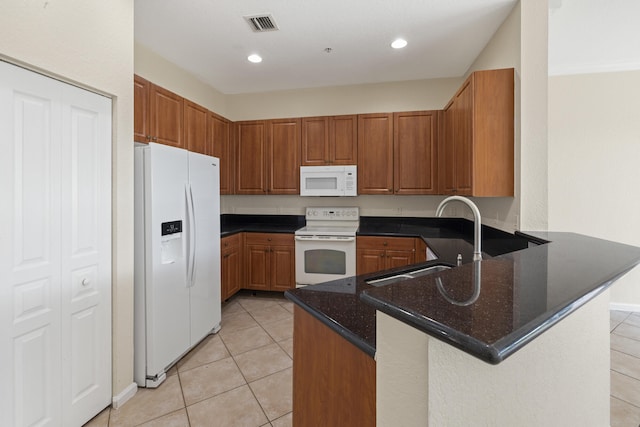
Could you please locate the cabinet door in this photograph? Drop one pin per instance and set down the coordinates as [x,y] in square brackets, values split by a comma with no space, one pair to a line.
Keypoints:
[369,260]
[140,109]
[343,140]
[250,157]
[375,154]
[315,141]
[283,157]
[220,138]
[282,267]
[446,153]
[166,120]
[463,139]
[399,258]
[414,152]
[231,264]
[195,128]
[257,263]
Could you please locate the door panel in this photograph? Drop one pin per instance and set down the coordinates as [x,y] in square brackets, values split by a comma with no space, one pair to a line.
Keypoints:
[29,248]
[166,289]
[204,176]
[86,254]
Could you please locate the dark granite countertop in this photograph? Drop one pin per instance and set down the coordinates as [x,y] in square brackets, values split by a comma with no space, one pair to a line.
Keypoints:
[524,288]
[233,223]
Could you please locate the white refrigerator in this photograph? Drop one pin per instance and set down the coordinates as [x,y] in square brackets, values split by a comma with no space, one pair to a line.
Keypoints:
[177,256]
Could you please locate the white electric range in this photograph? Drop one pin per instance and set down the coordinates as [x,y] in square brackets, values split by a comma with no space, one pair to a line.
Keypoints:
[326,246]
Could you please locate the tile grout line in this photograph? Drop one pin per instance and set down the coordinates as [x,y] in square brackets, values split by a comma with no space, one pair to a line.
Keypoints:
[184,400]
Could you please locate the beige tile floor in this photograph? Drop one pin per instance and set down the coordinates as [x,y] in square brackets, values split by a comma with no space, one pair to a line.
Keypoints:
[238,377]
[242,376]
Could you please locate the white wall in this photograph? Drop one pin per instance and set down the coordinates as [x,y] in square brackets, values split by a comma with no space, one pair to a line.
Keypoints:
[90,43]
[149,65]
[594,150]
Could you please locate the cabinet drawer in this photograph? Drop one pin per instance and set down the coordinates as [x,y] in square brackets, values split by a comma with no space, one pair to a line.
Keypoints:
[381,242]
[268,239]
[230,242]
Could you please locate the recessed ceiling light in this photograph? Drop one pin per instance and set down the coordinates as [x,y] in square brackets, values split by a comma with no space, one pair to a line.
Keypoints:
[254,58]
[399,43]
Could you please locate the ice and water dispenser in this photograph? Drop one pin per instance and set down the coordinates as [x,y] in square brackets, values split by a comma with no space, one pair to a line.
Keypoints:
[171,242]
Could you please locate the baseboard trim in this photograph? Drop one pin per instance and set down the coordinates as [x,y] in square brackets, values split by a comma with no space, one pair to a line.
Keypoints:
[624,307]
[122,397]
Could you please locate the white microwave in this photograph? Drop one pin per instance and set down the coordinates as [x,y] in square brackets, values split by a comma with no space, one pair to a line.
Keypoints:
[329,180]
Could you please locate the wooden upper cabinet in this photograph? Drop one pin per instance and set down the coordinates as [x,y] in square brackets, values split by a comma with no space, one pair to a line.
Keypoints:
[283,157]
[315,141]
[375,153]
[268,156]
[141,129]
[195,128]
[477,143]
[158,114]
[330,140]
[251,148]
[415,141]
[343,140]
[220,136]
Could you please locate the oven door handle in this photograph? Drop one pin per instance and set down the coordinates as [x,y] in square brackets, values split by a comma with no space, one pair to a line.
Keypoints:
[319,239]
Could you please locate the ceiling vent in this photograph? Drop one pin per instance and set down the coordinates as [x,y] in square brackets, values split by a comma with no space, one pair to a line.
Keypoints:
[261,23]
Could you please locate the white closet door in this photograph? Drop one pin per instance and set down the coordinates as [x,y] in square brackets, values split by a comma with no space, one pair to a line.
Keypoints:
[38,257]
[29,249]
[85,254]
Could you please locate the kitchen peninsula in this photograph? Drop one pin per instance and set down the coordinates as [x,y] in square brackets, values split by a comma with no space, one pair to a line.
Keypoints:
[531,349]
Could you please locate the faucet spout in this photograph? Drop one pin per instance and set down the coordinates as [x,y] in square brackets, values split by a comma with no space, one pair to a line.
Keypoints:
[477,222]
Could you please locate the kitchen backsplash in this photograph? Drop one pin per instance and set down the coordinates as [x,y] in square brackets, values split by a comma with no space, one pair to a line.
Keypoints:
[496,212]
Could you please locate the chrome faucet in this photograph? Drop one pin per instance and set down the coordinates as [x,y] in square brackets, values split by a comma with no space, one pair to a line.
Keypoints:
[477,226]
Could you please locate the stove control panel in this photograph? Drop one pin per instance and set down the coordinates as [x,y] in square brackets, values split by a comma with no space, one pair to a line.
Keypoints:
[333,214]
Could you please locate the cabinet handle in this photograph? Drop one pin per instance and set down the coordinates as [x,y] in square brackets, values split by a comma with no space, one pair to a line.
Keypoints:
[381,255]
[268,239]
[85,282]
[384,243]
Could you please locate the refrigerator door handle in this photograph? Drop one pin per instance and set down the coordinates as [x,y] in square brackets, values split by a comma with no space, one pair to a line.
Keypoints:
[191,256]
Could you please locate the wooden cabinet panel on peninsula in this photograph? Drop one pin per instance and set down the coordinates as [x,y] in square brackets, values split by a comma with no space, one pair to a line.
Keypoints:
[268,156]
[329,140]
[158,114]
[231,266]
[376,253]
[397,153]
[476,151]
[269,261]
[334,382]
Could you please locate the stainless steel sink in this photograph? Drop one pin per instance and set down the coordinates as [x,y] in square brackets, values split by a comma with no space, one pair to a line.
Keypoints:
[406,275]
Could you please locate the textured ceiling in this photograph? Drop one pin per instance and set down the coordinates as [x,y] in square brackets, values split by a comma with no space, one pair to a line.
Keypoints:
[210,39]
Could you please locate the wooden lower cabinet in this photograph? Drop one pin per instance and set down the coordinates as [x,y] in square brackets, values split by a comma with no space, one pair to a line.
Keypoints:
[270,261]
[334,382]
[374,253]
[230,265]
